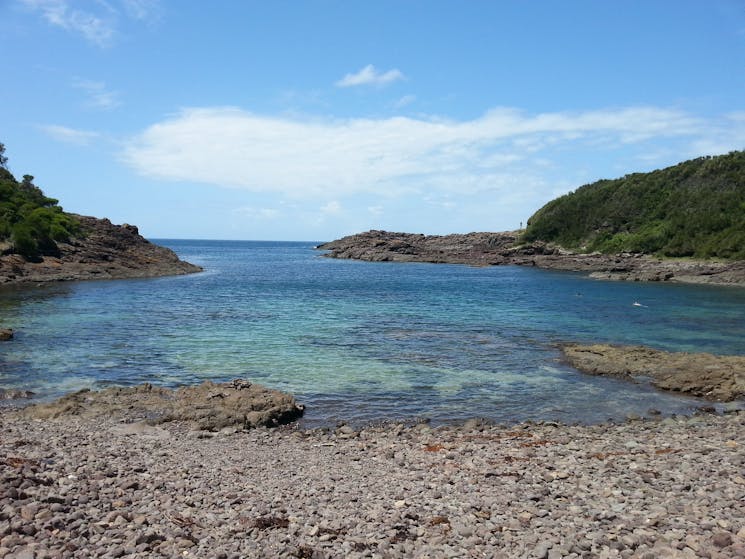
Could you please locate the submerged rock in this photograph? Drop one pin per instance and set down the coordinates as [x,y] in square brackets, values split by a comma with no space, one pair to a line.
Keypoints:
[15,394]
[714,377]
[207,406]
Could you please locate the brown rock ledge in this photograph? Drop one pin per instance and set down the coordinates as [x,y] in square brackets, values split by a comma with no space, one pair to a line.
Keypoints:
[207,406]
[715,377]
[493,249]
[105,251]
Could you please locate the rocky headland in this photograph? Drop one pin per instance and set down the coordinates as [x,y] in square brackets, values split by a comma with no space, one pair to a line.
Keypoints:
[718,378]
[78,486]
[494,249]
[102,251]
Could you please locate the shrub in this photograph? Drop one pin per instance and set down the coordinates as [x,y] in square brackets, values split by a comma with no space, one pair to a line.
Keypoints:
[24,242]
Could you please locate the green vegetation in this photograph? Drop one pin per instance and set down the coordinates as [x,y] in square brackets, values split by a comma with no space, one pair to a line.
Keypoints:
[693,209]
[30,223]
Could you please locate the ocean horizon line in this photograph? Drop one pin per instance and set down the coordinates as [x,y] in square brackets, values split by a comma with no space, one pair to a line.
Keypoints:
[194,239]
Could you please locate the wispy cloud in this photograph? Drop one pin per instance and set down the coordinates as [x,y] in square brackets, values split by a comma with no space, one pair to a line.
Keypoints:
[728,135]
[331,208]
[98,21]
[369,75]
[256,213]
[96,28]
[404,101]
[143,10]
[99,96]
[69,135]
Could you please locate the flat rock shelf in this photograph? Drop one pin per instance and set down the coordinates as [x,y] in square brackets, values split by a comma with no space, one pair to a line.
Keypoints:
[207,406]
[719,378]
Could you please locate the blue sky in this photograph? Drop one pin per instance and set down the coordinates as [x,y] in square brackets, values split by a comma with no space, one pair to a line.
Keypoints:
[292,120]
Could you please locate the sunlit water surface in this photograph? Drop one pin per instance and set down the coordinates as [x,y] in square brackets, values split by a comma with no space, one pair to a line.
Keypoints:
[358,341]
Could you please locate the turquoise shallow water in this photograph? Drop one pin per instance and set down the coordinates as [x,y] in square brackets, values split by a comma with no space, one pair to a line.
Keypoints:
[360,341]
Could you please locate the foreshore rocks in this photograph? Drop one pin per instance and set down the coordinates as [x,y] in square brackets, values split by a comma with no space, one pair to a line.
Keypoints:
[104,251]
[666,488]
[493,249]
[207,406]
[15,394]
[714,377]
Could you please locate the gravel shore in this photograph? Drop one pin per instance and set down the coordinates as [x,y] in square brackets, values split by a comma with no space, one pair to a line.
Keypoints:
[672,487]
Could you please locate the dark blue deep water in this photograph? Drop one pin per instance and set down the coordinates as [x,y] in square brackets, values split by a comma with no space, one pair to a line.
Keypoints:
[360,341]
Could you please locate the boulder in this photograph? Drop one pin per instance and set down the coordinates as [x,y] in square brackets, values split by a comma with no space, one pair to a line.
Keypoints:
[6,334]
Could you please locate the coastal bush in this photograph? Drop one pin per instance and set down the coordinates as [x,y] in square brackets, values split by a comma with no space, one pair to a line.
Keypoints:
[695,208]
[23,241]
[32,222]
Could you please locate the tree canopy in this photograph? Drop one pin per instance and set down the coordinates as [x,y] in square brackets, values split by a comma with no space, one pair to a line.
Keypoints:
[31,223]
[695,208]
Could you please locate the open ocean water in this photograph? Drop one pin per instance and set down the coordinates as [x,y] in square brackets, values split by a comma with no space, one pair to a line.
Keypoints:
[358,341]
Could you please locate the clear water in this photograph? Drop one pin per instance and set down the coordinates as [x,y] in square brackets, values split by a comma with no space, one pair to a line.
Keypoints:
[359,341]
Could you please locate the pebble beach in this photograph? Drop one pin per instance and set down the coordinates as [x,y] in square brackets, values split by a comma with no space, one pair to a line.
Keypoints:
[666,487]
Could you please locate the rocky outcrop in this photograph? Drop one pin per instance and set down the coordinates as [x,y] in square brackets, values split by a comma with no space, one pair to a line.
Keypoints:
[207,406]
[492,249]
[103,251]
[383,246]
[714,377]
[6,334]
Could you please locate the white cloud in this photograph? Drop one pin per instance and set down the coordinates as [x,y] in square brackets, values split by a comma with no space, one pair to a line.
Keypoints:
[441,202]
[254,213]
[69,135]
[332,208]
[99,97]
[311,157]
[369,75]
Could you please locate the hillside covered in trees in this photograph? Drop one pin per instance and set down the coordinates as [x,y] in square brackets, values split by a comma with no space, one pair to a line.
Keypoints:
[31,224]
[693,209]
